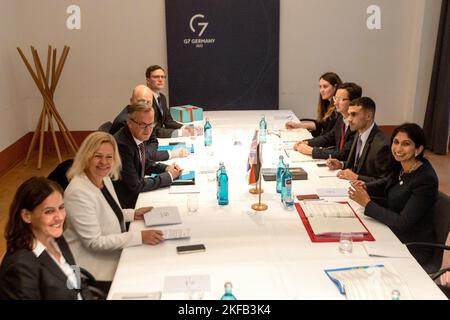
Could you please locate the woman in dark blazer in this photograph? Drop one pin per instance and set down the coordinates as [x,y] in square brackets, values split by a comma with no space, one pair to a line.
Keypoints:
[404,200]
[326,110]
[38,264]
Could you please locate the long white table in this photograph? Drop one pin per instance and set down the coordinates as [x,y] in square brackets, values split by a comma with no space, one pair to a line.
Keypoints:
[266,255]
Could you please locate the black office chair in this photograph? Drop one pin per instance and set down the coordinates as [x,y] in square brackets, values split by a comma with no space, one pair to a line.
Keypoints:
[442,227]
[59,173]
[105,127]
[92,285]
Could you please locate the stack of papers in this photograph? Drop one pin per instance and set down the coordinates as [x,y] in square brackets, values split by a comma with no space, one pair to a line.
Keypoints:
[162,216]
[294,135]
[369,283]
[386,250]
[331,219]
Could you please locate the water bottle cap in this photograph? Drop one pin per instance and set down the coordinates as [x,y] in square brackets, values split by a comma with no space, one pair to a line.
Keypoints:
[281,157]
[228,285]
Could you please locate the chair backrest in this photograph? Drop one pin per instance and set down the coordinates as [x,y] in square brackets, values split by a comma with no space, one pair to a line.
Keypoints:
[105,127]
[441,223]
[59,173]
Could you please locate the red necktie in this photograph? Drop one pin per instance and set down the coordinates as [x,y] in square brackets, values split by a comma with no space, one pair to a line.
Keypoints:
[341,144]
[142,156]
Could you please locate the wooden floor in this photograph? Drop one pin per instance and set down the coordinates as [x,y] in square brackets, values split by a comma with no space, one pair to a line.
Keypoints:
[11,180]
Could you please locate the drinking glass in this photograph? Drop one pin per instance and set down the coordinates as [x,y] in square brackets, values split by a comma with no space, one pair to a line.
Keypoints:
[192,203]
[346,243]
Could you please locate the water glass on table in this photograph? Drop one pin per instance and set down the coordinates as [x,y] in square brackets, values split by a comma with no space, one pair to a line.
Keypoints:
[346,243]
[192,203]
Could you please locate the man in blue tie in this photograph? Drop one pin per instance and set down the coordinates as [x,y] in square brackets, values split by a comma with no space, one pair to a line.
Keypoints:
[165,127]
[368,159]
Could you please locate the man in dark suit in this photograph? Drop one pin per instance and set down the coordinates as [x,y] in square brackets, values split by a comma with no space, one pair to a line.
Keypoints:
[337,142]
[370,153]
[135,149]
[142,93]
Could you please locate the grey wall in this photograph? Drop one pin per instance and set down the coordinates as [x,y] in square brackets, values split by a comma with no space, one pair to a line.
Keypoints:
[119,39]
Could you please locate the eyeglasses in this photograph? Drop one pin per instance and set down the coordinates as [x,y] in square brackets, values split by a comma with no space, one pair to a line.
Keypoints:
[158,77]
[143,126]
[339,99]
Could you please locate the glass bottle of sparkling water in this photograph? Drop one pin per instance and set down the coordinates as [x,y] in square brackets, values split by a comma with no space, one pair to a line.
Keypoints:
[280,171]
[223,187]
[228,295]
[262,130]
[208,133]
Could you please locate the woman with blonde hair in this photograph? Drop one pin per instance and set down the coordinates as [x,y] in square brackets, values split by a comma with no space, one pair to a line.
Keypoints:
[326,111]
[96,223]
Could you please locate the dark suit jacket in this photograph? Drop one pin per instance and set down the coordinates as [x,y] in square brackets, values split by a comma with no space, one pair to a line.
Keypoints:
[374,161]
[331,141]
[407,209]
[121,121]
[23,276]
[325,126]
[131,183]
[165,124]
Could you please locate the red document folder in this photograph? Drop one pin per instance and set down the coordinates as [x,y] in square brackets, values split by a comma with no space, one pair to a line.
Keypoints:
[320,238]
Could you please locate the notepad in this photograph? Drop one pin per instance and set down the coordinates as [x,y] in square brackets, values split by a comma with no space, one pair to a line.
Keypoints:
[368,282]
[187,178]
[162,216]
[294,135]
[173,284]
[171,234]
[176,146]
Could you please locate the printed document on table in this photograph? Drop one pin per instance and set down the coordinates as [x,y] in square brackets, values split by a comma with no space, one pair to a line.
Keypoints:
[327,209]
[173,284]
[295,156]
[332,192]
[388,250]
[162,216]
[170,234]
[294,135]
[375,282]
[174,189]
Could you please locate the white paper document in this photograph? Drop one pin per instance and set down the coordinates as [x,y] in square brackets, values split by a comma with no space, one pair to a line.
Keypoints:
[295,156]
[170,234]
[294,135]
[325,172]
[322,226]
[162,216]
[184,189]
[174,284]
[369,283]
[327,209]
[391,250]
[332,192]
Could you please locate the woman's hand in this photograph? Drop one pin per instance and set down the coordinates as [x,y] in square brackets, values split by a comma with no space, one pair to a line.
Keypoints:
[151,237]
[358,194]
[139,213]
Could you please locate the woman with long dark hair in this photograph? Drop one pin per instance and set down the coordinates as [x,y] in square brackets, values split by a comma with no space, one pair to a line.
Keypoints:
[326,111]
[38,264]
[405,200]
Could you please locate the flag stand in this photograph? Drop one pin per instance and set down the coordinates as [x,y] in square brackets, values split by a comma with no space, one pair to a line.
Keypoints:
[257,189]
[258,206]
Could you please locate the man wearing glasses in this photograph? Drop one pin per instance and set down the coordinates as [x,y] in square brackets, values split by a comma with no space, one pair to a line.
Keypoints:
[134,148]
[142,93]
[165,127]
[337,142]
